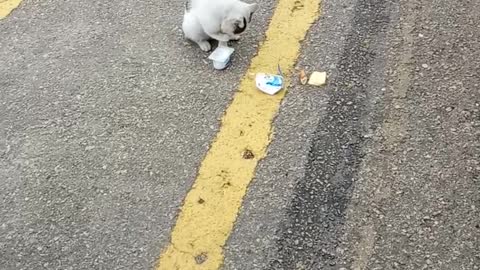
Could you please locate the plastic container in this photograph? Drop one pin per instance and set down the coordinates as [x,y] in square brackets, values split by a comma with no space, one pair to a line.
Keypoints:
[221,57]
[269,83]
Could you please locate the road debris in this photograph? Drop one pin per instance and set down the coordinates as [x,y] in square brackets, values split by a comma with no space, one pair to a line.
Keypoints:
[317,78]
[303,77]
[279,70]
[221,57]
[269,83]
[201,258]
[248,154]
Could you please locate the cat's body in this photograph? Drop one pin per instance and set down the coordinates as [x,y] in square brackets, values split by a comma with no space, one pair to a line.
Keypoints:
[222,20]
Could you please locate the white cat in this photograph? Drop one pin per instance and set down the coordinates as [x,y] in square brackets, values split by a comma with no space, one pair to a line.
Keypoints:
[222,20]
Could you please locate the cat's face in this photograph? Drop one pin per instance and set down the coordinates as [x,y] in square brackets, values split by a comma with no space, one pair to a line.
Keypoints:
[239,18]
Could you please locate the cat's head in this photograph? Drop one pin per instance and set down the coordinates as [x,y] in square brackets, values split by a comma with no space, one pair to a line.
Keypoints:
[238,18]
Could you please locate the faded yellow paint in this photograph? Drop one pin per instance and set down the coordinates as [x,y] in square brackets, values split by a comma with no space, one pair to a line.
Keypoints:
[6,6]
[211,206]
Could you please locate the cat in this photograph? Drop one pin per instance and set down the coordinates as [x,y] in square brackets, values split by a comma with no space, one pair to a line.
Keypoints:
[222,20]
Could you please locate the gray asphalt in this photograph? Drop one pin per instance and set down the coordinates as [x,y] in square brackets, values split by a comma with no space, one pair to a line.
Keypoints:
[388,176]
[106,112]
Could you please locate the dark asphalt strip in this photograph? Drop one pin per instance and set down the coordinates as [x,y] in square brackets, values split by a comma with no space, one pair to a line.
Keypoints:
[313,227]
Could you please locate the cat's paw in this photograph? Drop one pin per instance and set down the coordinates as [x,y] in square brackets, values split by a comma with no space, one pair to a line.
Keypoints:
[204,45]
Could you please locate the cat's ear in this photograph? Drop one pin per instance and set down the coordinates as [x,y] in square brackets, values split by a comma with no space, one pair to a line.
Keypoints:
[252,7]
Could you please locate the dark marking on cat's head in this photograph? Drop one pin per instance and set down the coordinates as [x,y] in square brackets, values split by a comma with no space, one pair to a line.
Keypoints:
[238,29]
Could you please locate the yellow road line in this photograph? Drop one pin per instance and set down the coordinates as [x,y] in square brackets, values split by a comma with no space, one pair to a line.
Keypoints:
[6,6]
[211,206]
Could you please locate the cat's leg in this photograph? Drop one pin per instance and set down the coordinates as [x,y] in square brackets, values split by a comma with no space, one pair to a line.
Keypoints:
[194,31]
[223,44]
[221,37]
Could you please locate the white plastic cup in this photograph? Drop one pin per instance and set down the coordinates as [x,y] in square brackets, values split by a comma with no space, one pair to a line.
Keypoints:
[221,57]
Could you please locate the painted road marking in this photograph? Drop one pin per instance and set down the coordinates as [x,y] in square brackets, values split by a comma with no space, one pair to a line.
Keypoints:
[211,206]
[6,6]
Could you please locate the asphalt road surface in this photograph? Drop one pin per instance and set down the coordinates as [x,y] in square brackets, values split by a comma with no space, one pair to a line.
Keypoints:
[106,114]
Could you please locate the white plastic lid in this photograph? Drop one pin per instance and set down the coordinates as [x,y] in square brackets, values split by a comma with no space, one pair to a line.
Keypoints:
[269,83]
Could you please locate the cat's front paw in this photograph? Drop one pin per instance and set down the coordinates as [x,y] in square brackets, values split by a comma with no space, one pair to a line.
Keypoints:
[204,45]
